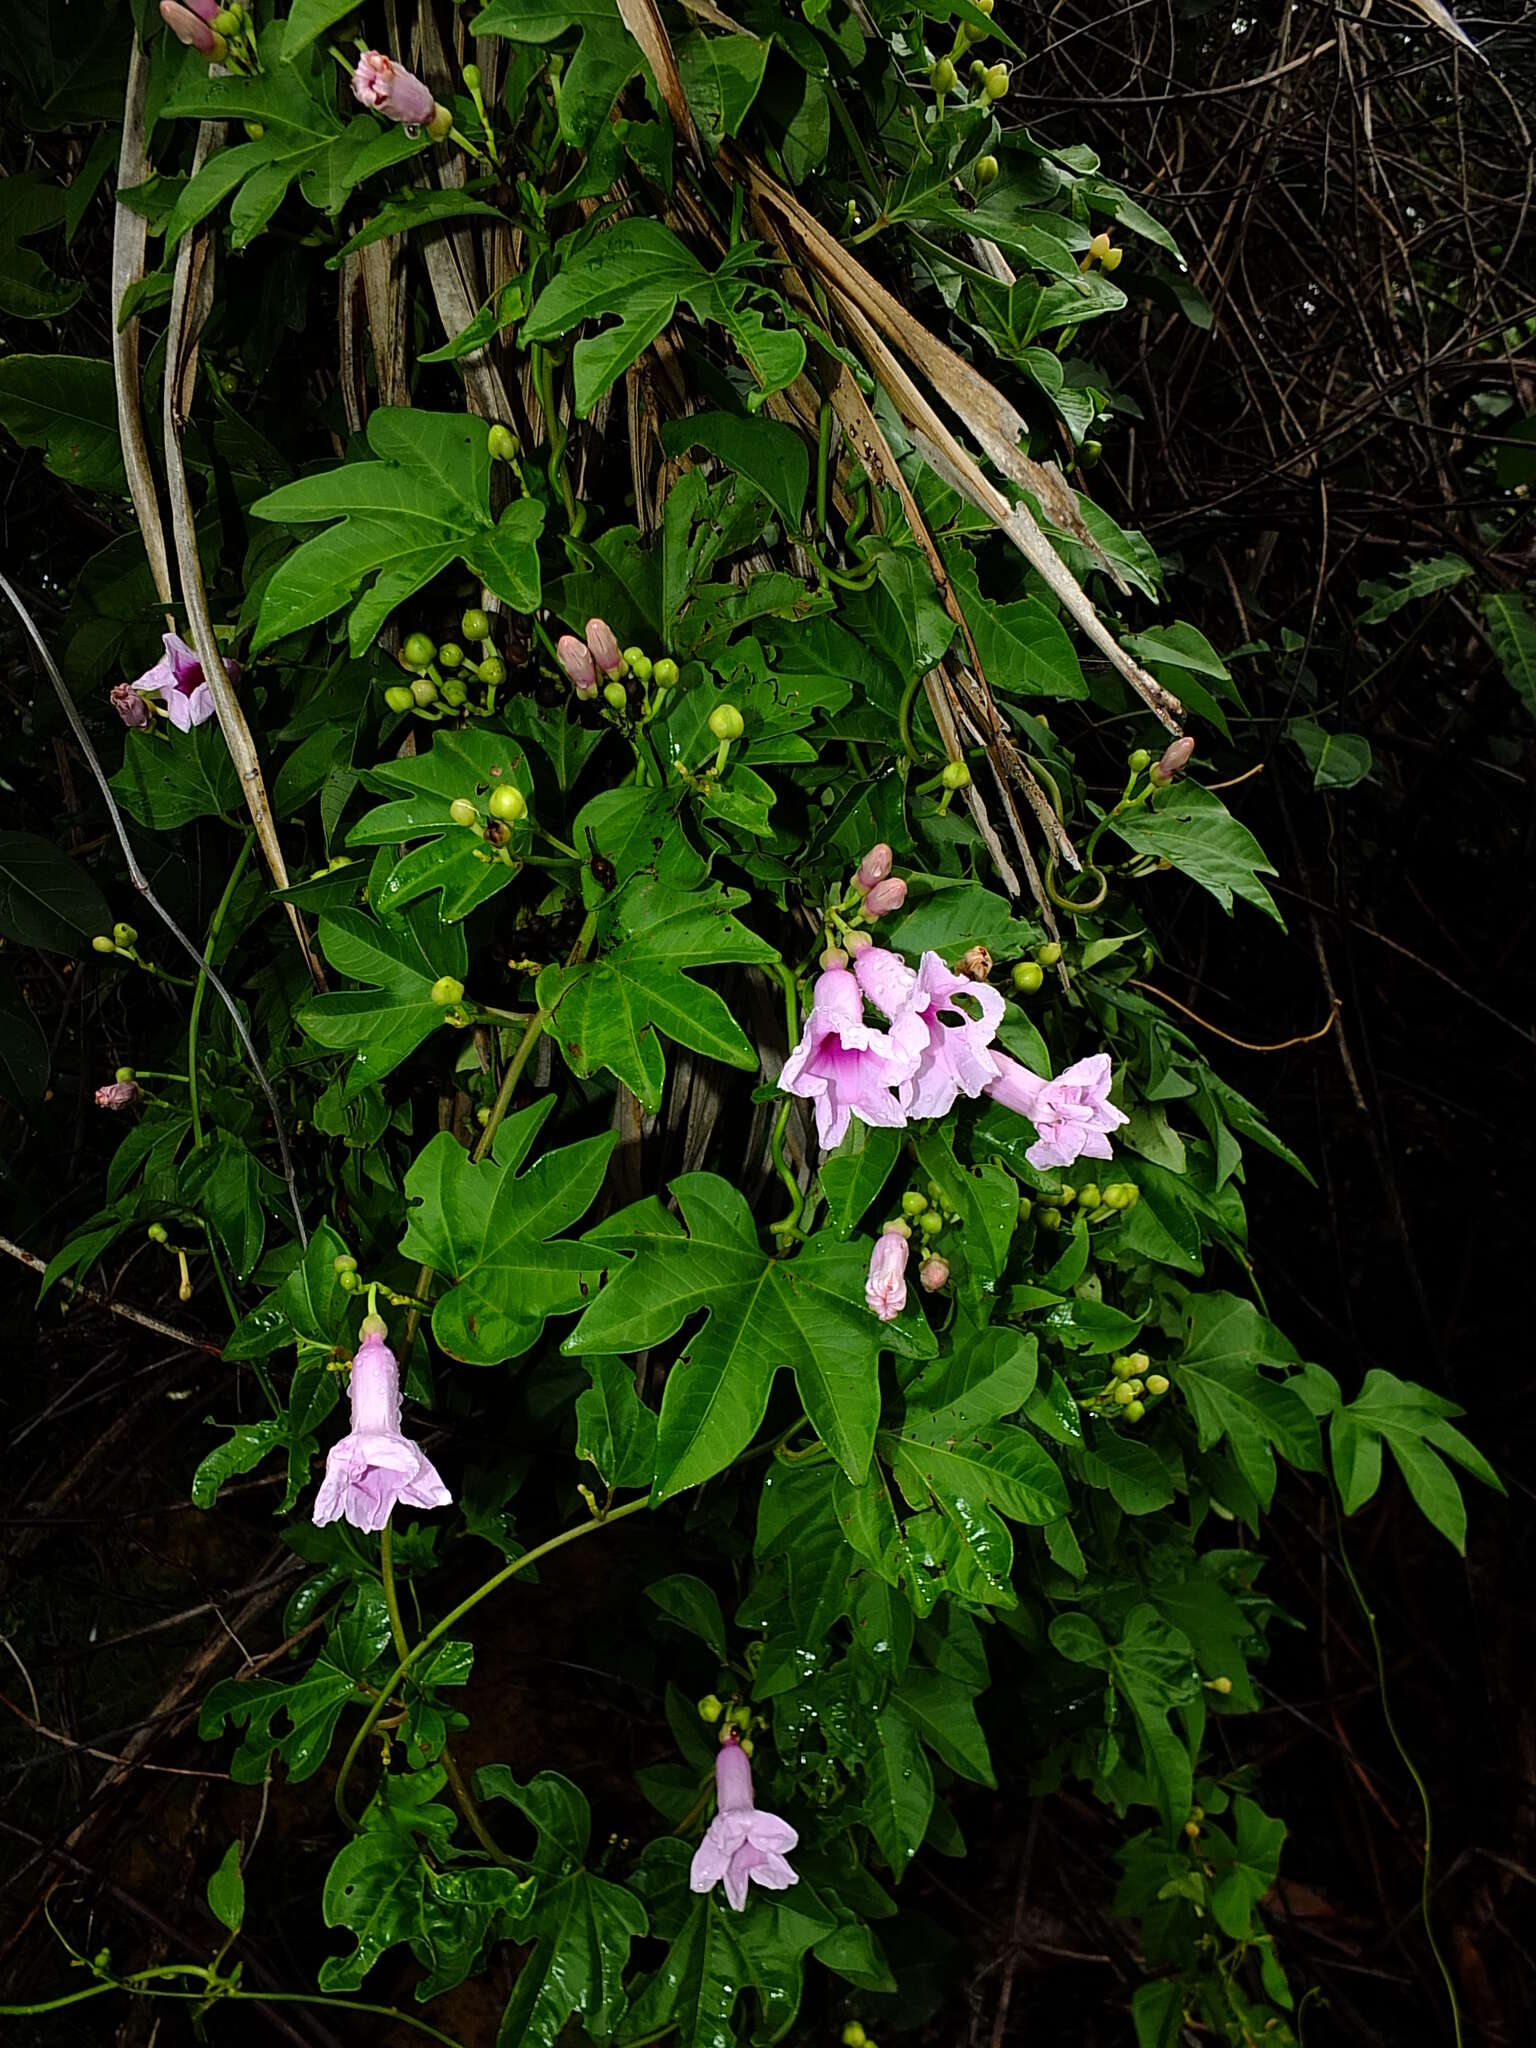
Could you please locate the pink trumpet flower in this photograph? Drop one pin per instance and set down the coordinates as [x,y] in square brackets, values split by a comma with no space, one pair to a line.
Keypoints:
[886,1288]
[956,1059]
[846,1067]
[177,677]
[374,1465]
[387,88]
[742,1844]
[1073,1114]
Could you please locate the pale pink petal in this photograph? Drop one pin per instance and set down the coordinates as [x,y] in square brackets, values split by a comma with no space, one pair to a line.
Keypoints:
[774,1874]
[711,1859]
[885,978]
[773,1836]
[736,1885]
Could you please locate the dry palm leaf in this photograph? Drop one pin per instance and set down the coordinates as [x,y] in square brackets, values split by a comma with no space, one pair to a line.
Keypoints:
[130,231]
[643,20]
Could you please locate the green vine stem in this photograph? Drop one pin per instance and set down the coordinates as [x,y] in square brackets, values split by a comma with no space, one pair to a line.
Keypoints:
[450,1620]
[524,1051]
[463,1798]
[219,1989]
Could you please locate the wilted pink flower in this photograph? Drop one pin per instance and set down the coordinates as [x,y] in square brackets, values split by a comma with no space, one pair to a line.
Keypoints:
[387,88]
[874,867]
[178,677]
[576,660]
[1073,1113]
[118,1095]
[955,1059]
[189,25]
[603,646]
[886,1288]
[129,705]
[1174,761]
[845,1066]
[933,1274]
[374,1466]
[885,896]
[741,1843]
[975,963]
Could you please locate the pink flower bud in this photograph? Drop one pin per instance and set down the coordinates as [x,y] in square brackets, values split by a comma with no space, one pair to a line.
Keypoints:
[886,1288]
[975,963]
[129,705]
[1175,761]
[386,88]
[189,27]
[933,1274]
[118,1095]
[885,896]
[602,642]
[576,660]
[874,867]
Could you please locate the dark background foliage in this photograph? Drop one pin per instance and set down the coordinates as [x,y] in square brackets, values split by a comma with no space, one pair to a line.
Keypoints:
[1353,200]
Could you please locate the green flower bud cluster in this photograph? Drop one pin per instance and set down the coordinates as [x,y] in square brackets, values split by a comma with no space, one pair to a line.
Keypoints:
[442,677]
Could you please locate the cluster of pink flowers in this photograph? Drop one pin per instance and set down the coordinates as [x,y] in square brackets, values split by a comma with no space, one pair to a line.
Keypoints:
[742,1844]
[177,678]
[585,661]
[374,1465]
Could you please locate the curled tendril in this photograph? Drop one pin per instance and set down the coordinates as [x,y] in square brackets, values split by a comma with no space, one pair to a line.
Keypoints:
[1076,906]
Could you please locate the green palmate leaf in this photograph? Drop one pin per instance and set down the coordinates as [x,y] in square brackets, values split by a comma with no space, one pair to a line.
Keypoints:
[613,1009]
[1196,832]
[640,271]
[224,1180]
[451,859]
[853,1175]
[1220,1377]
[773,457]
[169,778]
[582,1926]
[952,1450]
[296,1722]
[1338,760]
[898,1795]
[403,519]
[1245,1868]
[944,1712]
[693,1605]
[242,1451]
[717,1957]
[763,1313]
[47,900]
[1416,1427]
[797,1524]
[1512,634]
[493,1232]
[67,406]
[1152,1669]
[606,59]
[614,1428]
[310,1304]
[423,207]
[986,1200]
[1023,646]
[721,76]
[634,830]
[385,1021]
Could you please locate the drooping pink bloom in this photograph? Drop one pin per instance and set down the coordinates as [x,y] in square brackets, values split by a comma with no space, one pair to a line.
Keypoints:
[576,660]
[387,88]
[1175,760]
[874,867]
[955,1059]
[886,1288]
[374,1466]
[846,1067]
[603,646]
[178,677]
[129,705]
[885,896]
[741,1843]
[1073,1114]
[118,1095]
[933,1274]
[189,25]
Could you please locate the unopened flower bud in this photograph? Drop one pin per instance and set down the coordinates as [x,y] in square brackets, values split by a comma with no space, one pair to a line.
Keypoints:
[874,867]
[508,803]
[615,696]
[129,705]
[398,697]
[387,88]
[418,651]
[603,645]
[475,624]
[423,691]
[446,991]
[124,935]
[463,812]
[726,722]
[103,943]
[853,2035]
[930,1223]
[1028,977]
[118,1095]
[639,663]
[975,962]
[885,1289]
[996,82]
[576,660]
[190,27]
[955,775]
[933,1274]
[1157,1384]
[500,444]
[1123,1395]
[1114,259]
[665,673]
[1098,248]
[1122,1194]
[492,671]
[1174,761]
[1135,1412]
[942,76]
[1221,1685]
[158,1234]
[986,166]
[1139,761]
[885,897]
[913,1202]
[711,1707]
[450,654]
